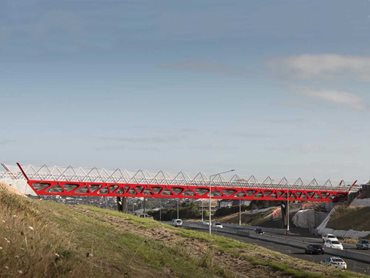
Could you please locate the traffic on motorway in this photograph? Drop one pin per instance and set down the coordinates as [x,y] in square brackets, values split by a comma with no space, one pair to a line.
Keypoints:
[334,253]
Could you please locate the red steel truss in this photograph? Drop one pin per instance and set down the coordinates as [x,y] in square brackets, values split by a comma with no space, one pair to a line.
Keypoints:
[64,188]
[102,183]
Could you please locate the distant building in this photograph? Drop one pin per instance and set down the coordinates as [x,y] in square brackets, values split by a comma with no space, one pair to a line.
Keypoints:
[232,203]
[204,204]
[216,204]
[225,204]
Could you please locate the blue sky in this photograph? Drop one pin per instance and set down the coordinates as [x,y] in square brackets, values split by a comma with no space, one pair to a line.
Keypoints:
[276,88]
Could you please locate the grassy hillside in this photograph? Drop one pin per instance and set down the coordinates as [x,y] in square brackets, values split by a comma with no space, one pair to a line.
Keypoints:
[46,239]
[256,219]
[345,218]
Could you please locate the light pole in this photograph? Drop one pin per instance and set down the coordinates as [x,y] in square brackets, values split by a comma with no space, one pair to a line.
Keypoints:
[287,209]
[210,196]
[240,212]
[202,210]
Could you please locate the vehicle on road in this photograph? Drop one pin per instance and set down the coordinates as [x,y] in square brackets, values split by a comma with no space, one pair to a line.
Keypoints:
[145,215]
[335,261]
[218,225]
[314,249]
[259,231]
[329,237]
[363,244]
[335,244]
[177,222]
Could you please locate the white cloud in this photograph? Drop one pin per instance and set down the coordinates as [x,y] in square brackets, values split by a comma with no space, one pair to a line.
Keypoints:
[323,65]
[325,68]
[337,97]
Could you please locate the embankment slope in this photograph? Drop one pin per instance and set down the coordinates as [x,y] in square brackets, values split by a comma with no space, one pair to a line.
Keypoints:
[47,239]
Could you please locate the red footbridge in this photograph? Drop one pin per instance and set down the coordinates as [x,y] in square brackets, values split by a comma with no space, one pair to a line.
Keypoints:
[69,181]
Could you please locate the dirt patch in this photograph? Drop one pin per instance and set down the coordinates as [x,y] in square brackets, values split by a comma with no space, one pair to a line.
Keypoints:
[346,218]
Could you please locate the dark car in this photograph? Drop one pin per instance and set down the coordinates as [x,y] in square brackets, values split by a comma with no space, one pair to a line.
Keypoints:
[314,249]
[363,244]
[259,231]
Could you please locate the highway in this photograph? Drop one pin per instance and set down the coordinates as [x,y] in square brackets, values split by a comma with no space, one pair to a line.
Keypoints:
[292,245]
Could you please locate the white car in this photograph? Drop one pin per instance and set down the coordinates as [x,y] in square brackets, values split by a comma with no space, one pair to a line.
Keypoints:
[336,262]
[329,237]
[335,244]
[218,225]
[177,222]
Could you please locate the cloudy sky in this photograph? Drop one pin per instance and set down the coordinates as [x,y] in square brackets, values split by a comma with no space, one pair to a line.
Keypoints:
[269,87]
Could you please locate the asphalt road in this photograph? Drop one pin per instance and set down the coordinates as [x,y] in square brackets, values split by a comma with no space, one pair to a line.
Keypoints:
[228,231]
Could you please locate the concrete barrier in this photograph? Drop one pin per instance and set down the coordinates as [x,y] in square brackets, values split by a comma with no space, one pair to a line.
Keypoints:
[349,255]
[243,233]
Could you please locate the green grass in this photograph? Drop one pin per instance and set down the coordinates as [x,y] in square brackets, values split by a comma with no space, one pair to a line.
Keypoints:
[289,266]
[105,240]
[47,239]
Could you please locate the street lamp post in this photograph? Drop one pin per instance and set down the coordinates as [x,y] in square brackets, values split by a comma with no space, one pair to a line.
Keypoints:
[202,210]
[210,196]
[210,216]
[240,212]
[287,209]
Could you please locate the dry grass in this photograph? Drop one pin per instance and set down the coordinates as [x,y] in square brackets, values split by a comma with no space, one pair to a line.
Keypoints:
[29,244]
[345,218]
[256,219]
[46,239]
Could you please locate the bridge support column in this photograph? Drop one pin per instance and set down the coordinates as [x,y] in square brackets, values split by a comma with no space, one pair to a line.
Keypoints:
[283,207]
[119,204]
[285,216]
[177,209]
[124,204]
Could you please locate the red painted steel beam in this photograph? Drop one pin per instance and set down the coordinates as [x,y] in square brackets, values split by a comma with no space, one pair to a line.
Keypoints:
[96,189]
